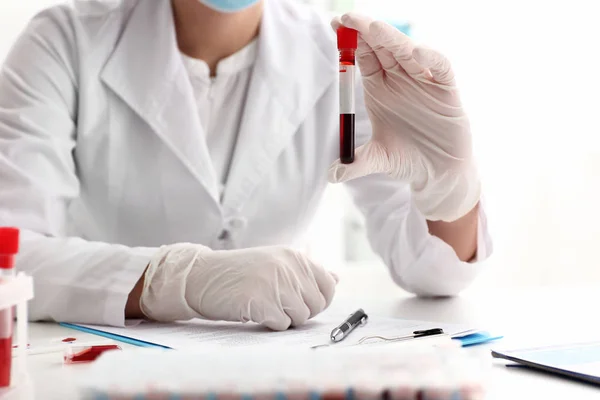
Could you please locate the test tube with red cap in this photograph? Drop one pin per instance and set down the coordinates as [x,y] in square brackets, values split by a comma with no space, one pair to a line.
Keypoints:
[9,246]
[347,41]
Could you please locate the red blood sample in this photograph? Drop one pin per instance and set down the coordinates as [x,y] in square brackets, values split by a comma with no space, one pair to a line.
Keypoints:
[5,362]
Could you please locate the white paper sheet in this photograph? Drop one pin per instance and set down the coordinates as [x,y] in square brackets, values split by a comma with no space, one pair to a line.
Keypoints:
[200,333]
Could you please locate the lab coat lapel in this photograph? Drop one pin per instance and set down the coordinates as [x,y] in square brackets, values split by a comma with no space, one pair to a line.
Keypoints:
[292,72]
[147,72]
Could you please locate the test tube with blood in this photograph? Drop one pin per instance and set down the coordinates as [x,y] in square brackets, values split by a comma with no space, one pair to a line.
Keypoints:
[347,40]
[9,246]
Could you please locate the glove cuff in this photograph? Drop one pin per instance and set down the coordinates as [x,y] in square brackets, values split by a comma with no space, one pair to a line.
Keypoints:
[450,196]
[165,280]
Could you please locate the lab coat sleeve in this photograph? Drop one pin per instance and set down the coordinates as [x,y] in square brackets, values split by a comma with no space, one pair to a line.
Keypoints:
[418,262]
[75,280]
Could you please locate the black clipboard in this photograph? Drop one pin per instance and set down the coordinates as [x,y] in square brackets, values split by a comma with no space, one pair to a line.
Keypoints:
[565,360]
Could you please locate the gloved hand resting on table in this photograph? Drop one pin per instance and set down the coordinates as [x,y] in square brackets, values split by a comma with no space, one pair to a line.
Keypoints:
[421,134]
[273,286]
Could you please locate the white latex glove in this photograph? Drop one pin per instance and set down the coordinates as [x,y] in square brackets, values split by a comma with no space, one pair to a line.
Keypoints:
[421,134]
[273,286]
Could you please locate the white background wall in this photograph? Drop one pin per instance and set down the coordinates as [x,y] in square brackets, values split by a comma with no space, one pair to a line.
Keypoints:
[528,71]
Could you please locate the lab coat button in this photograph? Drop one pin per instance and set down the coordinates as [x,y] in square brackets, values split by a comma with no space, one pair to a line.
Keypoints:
[224,235]
[237,223]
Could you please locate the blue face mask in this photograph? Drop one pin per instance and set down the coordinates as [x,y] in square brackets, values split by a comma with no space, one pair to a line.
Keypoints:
[228,6]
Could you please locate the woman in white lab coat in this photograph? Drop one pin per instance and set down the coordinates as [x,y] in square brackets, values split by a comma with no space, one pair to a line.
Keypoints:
[160,155]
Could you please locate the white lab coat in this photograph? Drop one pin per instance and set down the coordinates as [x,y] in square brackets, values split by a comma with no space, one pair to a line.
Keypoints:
[103,158]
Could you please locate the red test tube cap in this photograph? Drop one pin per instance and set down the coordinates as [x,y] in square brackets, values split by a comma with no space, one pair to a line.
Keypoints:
[9,246]
[347,38]
[9,240]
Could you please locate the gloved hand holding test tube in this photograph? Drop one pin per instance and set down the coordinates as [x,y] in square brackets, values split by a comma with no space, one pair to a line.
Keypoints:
[420,132]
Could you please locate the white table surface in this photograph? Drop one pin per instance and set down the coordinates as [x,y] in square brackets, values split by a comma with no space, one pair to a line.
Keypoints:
[524,317]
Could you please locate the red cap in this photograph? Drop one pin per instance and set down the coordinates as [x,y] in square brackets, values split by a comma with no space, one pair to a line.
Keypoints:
[9,246]
[9,241]
[347,38]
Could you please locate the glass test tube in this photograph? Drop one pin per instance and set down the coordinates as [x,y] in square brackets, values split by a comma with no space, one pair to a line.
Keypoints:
[347,40]
[9,246]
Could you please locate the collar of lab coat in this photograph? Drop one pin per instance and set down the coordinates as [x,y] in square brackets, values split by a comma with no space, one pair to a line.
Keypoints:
[294,68]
